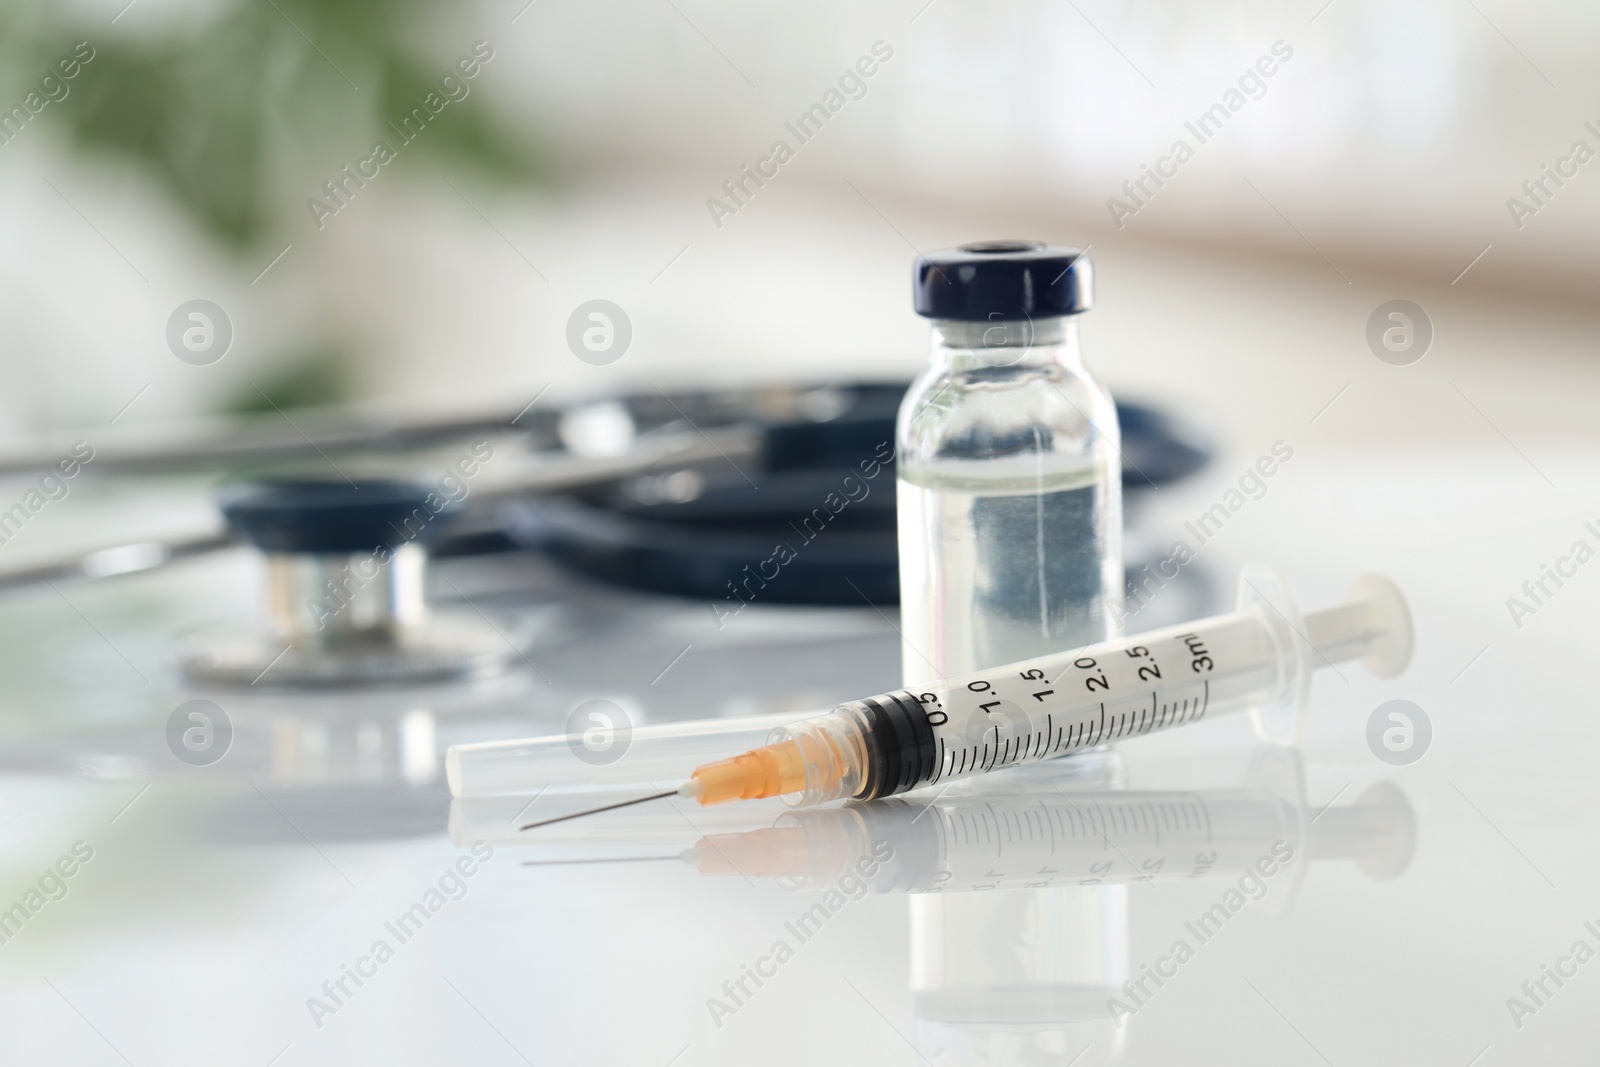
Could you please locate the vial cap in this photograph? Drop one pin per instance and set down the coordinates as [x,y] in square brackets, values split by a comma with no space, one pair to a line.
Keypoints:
[335,516]
[1002,280]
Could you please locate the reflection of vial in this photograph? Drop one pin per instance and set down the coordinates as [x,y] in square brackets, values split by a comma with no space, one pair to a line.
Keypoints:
[1010,524]
[1018,976]
[1010,503]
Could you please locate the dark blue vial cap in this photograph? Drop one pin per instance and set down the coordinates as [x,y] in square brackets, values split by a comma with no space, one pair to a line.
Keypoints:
[336,516]
[1002,280]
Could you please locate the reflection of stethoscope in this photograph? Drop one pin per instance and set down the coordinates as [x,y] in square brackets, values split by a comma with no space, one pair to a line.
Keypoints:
[683,494]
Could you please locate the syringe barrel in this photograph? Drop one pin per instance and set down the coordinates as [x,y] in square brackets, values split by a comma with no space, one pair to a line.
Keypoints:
[1059,704]
[1046,707]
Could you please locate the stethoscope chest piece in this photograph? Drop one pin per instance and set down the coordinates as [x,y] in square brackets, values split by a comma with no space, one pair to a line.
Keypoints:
[345,600]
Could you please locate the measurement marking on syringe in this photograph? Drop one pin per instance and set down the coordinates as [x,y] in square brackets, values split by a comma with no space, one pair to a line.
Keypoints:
[1097,827]
[1095,820]
[1123,819]
[1031,821]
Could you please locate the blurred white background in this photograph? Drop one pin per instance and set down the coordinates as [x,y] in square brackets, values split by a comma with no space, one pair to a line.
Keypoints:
[1376,163]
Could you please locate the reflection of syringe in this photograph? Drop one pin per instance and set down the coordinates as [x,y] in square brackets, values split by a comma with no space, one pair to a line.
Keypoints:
[1056,839]
[1258,657]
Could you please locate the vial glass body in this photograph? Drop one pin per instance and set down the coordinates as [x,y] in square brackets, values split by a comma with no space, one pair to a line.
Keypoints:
[1010,500]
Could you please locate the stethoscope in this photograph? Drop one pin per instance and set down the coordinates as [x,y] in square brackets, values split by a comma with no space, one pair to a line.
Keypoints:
[685,494]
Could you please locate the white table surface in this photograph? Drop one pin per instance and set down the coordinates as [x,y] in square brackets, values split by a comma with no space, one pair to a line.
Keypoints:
[219,899]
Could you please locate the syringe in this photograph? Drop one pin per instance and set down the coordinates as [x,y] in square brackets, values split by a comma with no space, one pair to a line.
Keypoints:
[1258,657]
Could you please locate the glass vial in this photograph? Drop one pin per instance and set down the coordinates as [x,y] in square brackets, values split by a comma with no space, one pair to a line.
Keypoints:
[1010,516]
[1008,458]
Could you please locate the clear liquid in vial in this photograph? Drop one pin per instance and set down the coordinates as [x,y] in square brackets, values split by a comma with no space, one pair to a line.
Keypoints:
[1000,569]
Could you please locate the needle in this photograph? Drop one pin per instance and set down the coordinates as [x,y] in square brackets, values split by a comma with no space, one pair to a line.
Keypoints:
[596,811]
